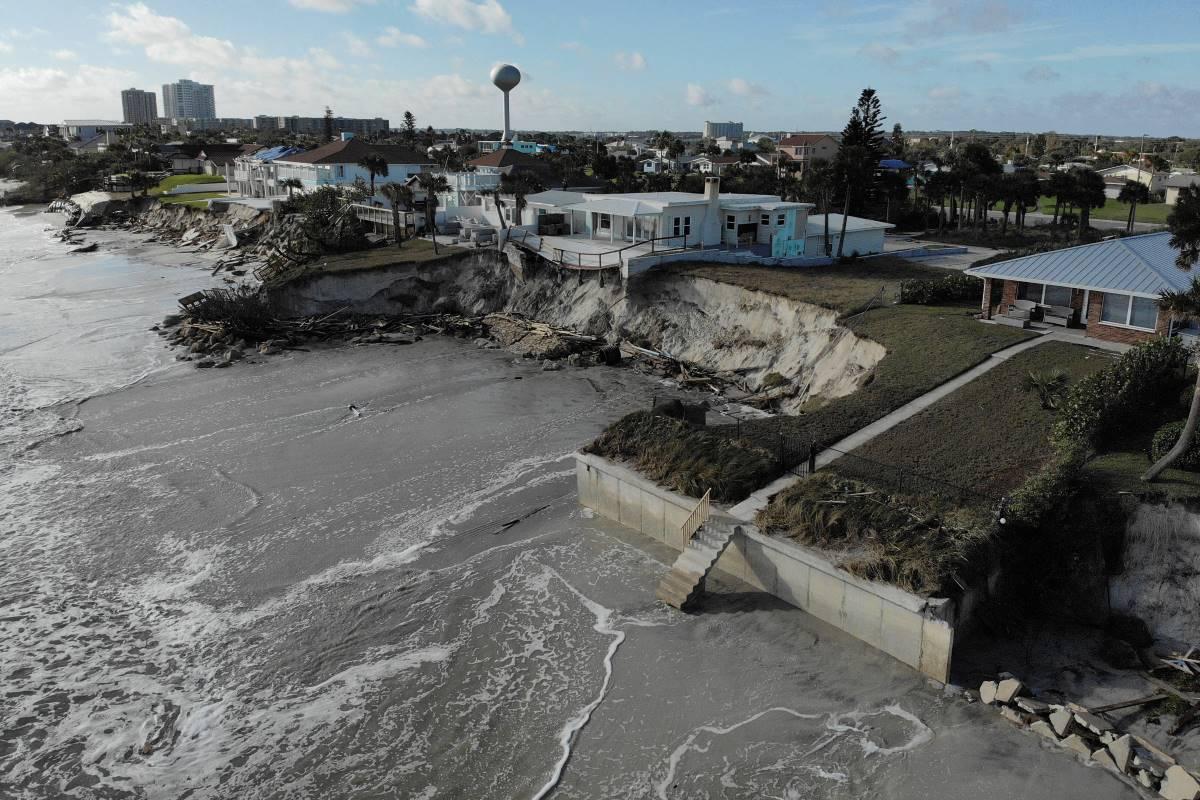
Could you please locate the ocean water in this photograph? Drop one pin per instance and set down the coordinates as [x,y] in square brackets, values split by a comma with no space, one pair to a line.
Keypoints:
[228,583]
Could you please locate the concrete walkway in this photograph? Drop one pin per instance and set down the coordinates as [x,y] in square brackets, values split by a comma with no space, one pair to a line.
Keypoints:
[757,501]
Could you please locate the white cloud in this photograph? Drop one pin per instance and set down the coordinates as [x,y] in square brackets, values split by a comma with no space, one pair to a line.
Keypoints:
[394,37]
[880,52]
[744,88]
[51,93]
[330,6]
[1041,72]
[1123,50]
[166,39]
[946,93]
[486,16]
[633,62]
[357,47]
[65,55]
[698,96]
[5,47]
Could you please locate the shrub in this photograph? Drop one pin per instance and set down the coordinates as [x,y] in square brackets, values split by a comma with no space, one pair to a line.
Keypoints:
[1049,387]
[885,537]
[952,288]
[1102,405]
[1166,437]
[687,459]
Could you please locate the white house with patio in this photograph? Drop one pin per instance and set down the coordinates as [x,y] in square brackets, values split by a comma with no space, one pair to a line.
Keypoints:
[594,231]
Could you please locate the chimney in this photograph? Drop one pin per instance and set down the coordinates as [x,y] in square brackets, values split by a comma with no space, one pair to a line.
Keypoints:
[712,189]
[710,233]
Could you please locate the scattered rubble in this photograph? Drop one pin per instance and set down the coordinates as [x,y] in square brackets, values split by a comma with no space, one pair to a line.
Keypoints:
[1085,732]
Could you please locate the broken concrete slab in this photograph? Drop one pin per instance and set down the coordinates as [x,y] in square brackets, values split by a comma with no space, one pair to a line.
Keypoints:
[1033,706]
[1014,716]
[1102,758]
[1076,743]
[1121,751]
[987,692]
[1061,719]
[1008,690]
[1145,779]
[1179,784]
[1093,723]
[1042,728]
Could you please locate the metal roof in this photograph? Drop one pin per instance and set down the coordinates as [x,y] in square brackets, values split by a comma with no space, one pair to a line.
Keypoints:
[620,206]
[816,224]
[1138,265]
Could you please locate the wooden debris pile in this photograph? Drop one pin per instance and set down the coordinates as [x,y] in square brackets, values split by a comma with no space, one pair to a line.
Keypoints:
[733,384]
[537,339]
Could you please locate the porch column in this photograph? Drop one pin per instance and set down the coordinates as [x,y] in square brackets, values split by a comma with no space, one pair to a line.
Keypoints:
[987,298]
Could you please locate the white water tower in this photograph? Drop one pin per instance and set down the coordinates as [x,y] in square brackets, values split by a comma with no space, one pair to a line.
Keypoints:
[505,77]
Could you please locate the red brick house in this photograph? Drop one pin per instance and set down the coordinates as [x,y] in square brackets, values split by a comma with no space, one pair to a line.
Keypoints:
[1110,288]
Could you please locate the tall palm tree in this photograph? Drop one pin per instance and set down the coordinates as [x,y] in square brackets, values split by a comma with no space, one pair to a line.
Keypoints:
[1088,194]
[1133,192]
[398,195]
[520,185]
[291,184]
[1184,223]
[495,193]
[432,184]
[376,165]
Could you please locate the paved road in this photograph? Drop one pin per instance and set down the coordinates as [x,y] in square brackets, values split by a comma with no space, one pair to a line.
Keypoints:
[1033,218]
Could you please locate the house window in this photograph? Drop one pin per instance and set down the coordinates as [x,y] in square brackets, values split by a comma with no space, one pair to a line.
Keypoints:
[730,222]
[781,220]
[765,220]
[1056,296]
[605,222]
[1133,312]
[340,171]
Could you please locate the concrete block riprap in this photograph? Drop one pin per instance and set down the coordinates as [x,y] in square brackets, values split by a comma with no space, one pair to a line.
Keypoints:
[1078,744]
[987,692]
[1179,784]
[1042,728]
[1093,723]
[1015,717]
[1032,706]
[1060,720]
[1121,751]
[1008,690]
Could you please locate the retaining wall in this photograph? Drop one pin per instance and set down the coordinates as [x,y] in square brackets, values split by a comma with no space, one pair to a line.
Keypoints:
[915,630]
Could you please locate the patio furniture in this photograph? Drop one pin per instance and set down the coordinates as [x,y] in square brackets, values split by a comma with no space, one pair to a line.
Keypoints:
[1058,315]
[1021,309]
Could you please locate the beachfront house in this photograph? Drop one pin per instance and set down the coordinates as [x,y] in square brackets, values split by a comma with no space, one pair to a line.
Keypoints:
[1108,289]
[336,164]
[592,223]
[254,173]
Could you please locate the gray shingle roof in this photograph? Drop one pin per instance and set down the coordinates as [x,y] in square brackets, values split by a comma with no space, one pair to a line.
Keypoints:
[1139,265]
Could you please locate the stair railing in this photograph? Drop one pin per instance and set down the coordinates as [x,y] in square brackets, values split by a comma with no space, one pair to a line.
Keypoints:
[697,518]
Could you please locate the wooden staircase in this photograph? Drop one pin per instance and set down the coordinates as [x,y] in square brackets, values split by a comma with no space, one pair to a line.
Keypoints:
[706,539]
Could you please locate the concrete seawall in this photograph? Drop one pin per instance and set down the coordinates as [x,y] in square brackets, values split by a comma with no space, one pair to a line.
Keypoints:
[915,630]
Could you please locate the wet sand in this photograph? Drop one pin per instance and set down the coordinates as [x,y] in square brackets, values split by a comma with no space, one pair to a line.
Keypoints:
[227,583]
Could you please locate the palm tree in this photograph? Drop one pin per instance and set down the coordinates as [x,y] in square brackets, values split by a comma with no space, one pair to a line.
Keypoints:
[1184,223]
[398,195]
[376,165]
[1088,194]
[1133,192]
[856,169]
[495,193]
[432,184]
[519,185]
[140,180]
[291,184]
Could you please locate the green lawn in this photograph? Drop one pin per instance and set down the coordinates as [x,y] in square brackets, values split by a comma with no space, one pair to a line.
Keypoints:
[1148,212]
[194,199]
[412,251]
[926,345]
[167,184]
[988,436]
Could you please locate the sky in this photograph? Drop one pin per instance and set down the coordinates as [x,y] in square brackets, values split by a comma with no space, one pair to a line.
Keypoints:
[1073,66]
